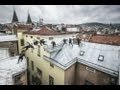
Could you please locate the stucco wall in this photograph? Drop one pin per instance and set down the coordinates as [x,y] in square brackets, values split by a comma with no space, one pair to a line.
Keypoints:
[97,77]
[70,75]
[56,72]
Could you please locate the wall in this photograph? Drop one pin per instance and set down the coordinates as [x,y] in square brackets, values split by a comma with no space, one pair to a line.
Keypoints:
[70,75]
[97,77]
[20,36]
[12,45]
[20,79]
[56,72]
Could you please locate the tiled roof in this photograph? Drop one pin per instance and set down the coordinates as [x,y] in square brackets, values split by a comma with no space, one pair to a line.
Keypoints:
[24,27]
[106,39]
[45,31]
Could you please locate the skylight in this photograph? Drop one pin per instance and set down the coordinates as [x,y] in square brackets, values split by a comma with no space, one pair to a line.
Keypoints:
[100,58]
[82,53]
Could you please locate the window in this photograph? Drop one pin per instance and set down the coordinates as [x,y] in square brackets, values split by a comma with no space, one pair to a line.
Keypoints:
[38,38]
[52,65]
[101,58]
[88,83]
[82,53]
[27,61]
[33,80]
[39,50]
[22,42]
[90,69]
[39,71]
[51,80]
[31,36]
[50,38]
[32,64]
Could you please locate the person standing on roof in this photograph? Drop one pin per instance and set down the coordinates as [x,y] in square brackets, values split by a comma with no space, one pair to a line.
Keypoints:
[53,44]
[21,56]
[70,41]
[64,41]
[78,41]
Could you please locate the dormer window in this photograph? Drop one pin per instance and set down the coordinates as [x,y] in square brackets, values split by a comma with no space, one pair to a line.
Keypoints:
[82,53]
[100,58]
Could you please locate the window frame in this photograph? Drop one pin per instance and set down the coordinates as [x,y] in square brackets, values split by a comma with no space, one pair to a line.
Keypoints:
[22,42]
[51,80]
[39,71]
[32,64]
[39,52]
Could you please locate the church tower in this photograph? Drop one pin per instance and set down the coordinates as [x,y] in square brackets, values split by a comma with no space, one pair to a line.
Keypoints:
[15,18]
[29,21]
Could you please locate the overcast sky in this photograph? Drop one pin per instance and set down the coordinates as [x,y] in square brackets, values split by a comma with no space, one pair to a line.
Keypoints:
[68,14]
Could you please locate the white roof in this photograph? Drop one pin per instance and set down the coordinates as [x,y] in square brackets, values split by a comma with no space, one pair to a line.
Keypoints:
[68,55]
[93,50]
[9,67]
[4,53]
[4,38]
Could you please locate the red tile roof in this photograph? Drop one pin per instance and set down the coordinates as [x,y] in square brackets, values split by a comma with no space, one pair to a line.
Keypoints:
[106,39]
[45,31]
[24,27]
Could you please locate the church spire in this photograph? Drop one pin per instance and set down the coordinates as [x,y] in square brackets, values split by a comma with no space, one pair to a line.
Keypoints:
[29,21]
[15,18]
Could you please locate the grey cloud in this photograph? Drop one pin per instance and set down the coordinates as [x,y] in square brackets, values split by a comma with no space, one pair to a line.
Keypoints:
[63,13]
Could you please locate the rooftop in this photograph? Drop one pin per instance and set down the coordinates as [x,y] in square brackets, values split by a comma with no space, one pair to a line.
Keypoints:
[4,38]
[44,30]
[67,55]
[4,53]
[106,39]
[9,67]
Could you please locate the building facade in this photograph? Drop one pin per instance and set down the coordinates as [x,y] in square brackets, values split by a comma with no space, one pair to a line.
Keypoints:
[87,64]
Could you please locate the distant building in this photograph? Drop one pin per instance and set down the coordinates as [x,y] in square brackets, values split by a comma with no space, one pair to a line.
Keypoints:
[38,68]
[91,63]
[10,42]
[12,73]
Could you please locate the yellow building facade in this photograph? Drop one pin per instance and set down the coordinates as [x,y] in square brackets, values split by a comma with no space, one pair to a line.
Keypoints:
[49,73]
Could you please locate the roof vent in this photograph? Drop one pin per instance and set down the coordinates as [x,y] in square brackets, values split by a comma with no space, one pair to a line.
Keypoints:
[100,58]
